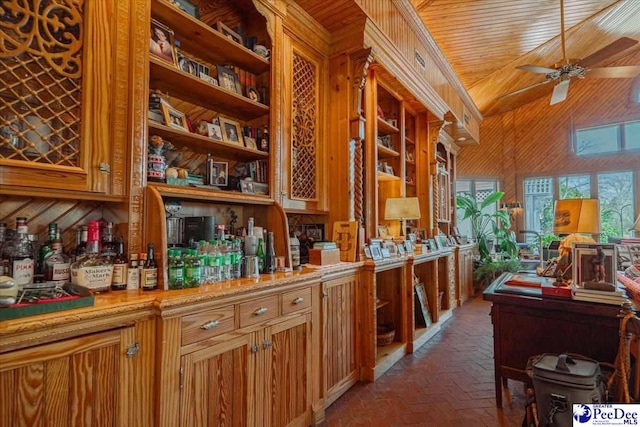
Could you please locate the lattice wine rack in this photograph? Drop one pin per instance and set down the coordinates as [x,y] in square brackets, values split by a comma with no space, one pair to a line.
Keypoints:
[41,74]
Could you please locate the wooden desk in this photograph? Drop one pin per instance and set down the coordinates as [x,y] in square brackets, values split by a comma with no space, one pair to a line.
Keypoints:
[525,325]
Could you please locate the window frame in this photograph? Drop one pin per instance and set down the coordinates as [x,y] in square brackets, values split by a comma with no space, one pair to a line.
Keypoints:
[621,139]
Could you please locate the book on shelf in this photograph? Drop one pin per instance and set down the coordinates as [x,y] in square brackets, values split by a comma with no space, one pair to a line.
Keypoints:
[619,291]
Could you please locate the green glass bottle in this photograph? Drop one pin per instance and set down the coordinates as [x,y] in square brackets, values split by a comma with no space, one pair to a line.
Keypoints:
[261,255]
[176,270]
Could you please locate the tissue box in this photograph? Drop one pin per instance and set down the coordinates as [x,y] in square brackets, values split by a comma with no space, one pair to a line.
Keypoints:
[324,256]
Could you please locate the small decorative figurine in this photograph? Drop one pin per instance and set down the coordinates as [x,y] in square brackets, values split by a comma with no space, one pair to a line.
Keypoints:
[156,162]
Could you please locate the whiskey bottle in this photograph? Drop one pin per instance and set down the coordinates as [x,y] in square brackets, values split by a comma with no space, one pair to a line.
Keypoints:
[133,273]
[149,278]
[120,267]
[81,248]
[19,254]
[270,255]
[45,250]
[57,269]
[92,270]
[108,244]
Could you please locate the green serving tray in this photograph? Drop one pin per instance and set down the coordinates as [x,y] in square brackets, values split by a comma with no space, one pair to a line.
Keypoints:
[84,299]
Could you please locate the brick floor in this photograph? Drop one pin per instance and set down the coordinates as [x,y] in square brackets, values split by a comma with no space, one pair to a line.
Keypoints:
[447,382]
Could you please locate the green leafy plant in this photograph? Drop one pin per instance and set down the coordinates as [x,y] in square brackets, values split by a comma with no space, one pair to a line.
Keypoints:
[487,227]
[488,270]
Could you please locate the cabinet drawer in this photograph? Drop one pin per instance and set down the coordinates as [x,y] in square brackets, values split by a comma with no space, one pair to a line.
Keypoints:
[296,300]
[258,310]
[197,327]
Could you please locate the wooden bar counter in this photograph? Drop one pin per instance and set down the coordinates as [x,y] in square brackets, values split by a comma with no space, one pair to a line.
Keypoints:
[526,324]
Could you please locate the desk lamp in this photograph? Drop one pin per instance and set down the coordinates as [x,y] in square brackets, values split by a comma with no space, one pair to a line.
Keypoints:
[636,226]
[402,208]
[574,217]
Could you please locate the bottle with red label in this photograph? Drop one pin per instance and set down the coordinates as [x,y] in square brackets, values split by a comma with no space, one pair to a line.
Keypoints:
[19,255]
[92,270]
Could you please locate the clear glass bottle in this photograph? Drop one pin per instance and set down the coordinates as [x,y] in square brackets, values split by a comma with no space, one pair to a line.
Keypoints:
[192,269]
[92,270]
[133,273]
[176,269]
[215,263]
[236,260]
[57,269]
[120,267]
[294,244]
[108,243]
[149,278]
[19,255]
[45,250]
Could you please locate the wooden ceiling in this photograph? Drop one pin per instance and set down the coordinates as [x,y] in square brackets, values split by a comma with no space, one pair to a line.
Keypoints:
[484,40]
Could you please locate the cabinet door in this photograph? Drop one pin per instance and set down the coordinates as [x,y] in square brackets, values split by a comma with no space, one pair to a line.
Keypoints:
[61,114]
[303,174]
[219,383]
[339,312]
[73,382]
[288,372]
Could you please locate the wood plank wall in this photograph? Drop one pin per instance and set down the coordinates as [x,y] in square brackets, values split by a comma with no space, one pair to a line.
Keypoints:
[534,140]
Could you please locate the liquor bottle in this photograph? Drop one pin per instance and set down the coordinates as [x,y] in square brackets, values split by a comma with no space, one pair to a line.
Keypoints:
[19,254]
[133,273]
[149,278]
[3,235]
[294,243]
[120,267]
[261,256]
[81,249]
[270,255]
[236,260]
[57,269]
[250,240]
[44,251]
[92,270]
[176,269]
[108,245]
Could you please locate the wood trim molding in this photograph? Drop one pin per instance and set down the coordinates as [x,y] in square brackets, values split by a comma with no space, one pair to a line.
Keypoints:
[408,11]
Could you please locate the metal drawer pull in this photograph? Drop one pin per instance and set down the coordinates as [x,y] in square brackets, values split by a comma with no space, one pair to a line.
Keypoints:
[210,325]
[298,300]
[260,311]
[254,348]
[266,344]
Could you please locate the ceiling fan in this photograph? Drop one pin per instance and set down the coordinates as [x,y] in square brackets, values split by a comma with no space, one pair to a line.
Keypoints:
[563,72]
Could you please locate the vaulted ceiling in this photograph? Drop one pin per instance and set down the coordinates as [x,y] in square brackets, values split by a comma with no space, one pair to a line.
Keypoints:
[485,40]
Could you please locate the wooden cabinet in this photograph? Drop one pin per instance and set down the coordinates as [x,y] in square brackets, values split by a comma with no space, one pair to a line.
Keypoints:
[96,379]
[251,367]
[340,335]
[59,130]
[464,255]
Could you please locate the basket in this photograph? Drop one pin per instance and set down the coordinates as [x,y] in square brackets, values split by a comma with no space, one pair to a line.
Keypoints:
[385,334]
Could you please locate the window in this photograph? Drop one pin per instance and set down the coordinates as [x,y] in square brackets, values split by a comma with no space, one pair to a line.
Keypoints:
[538,202]
[574,187]
[607,139]
[479,189]
[615,191]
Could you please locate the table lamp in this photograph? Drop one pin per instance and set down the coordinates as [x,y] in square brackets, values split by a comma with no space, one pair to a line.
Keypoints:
[636,226]
[402,208]
[574,217]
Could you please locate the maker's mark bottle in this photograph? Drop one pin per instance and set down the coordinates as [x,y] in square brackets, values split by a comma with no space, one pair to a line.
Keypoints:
[92,270]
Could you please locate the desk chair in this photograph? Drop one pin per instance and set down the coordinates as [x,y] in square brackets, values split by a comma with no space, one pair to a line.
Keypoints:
[626,378]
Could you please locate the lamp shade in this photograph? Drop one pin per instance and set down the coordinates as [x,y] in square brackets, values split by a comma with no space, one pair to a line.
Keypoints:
[636,225]
[576,216]
[402,208]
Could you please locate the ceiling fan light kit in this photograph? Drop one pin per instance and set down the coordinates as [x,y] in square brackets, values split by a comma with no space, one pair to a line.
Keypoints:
[566,70]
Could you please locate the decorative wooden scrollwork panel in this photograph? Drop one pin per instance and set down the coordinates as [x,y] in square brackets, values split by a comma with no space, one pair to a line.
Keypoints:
[304,128]
[41,72]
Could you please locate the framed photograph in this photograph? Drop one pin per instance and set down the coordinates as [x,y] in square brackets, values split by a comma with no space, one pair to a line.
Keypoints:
[187,65]
[433,245]
[227,79]
[219,174]
[228,32]
[247,186]
[383,231]
[187,7]
[161,43]
[174,118]
[408,246]
[388,169]
[422,314]
[367,251]
[456,231]
[376,253]
[231,131]
[385,252]
[443,239]
[252,93]
[400,249]
[412,237]
[391,247]
[207,78]
[420,233]
[375,242]
[250,142]
[594,263]
[214,131]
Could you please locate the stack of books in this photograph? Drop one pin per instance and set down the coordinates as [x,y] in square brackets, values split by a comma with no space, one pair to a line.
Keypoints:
[615,297]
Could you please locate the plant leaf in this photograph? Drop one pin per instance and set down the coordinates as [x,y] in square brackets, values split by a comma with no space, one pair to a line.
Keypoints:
[491,199]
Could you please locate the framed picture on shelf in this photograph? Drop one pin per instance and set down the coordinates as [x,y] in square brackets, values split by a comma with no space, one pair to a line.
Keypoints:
[408,246]
[422,315]
[228,32]
[376,253]
[214,131]
[401,250]
[420,233]
[161,44]
[174,118]
[385,252]
[231,131]
[367,251]
[345,234]
[247,186]
[594,263]
[250,142]
[219,174]
[433,244]
[252,93]
[187,7]
[227,79]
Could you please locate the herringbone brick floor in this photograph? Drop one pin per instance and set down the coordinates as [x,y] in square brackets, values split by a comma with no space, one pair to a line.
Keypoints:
[447,382]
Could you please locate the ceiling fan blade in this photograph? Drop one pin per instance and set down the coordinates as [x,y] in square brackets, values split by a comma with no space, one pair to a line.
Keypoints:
[624,72]
[536,69]
[560,92]
[611,49]
[525,89]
